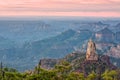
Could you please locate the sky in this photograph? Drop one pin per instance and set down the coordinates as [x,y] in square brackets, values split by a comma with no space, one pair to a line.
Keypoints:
[95,8]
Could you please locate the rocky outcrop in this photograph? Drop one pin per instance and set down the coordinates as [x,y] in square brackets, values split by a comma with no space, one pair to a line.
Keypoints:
[114,52]
[91,51]
[99,66]
[48,63]
[83,63]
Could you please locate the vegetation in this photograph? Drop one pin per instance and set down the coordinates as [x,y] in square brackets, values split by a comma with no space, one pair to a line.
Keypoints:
[63,71]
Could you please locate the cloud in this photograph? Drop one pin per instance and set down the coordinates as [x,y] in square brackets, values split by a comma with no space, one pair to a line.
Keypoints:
[41,6]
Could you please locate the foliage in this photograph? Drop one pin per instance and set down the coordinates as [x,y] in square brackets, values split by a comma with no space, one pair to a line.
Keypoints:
[54,75]
[92,76]
[62,71]
[110,75]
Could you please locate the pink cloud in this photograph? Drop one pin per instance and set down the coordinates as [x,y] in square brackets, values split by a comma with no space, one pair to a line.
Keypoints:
[60,7]
[94,14]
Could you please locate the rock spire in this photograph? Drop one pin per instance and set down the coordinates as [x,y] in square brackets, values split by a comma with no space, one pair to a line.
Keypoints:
[91,51]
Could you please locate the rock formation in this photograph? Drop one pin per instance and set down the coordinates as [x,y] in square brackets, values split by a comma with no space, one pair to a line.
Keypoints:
[48,63]
[105,35]
[91,51]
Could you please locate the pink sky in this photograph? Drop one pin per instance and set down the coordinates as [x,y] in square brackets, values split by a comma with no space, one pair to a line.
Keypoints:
[97,8]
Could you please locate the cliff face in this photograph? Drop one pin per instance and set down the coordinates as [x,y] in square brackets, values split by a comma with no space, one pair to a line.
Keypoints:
[118,36]
[114,52]
[105,35]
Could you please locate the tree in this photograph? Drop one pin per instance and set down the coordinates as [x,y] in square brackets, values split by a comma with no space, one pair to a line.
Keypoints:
[110,75]
[75,76]
[64,67]
[92,76]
